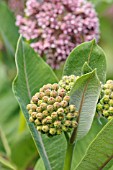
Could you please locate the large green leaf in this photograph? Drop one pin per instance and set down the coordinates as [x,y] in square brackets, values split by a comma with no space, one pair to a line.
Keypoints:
[84,95]
[33,73]
[100,151]
[8,30]
[82,145]
[88,52]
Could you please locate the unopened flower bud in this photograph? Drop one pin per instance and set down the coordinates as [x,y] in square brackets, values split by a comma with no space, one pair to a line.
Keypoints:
[111,110]
[60,111]
[99,107]
[64,128]
[51,100]
[45,113]
[74,124]
[39,102]
[58,99]
[39,109]
[49,119]
[56,105]
[39,116]
[34,114]
[59,131]
[72,108]
[28,107]
[57,124]
[45,128]
[106,99]
[41,95]
[39,128]
[50,108]
[67,123]
[52,131]
[43,106]
[66,98]
[111,102]
[53,93]
[61,92]
[47,92]
[45,99]
[64,103]
[34,99]
[31,119]
[37,122]
[54,115]
[55,86]
[70,116]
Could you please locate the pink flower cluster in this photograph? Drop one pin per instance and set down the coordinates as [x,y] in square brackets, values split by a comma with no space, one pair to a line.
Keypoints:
[55,27]
[17,6]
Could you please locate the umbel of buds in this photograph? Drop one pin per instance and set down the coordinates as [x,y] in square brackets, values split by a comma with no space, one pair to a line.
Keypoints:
[67,82]
[105,103]
[51,112]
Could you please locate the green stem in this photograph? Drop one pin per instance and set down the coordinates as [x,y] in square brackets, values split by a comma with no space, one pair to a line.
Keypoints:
[69,155]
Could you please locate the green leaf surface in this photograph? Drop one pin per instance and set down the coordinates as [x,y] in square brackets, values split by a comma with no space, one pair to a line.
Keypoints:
[88,52]
[33,73]
[100,151]
[82,145]
[8,30]
[84,95]
[39,165]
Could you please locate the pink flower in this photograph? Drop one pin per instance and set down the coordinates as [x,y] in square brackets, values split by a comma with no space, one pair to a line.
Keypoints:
[54,28]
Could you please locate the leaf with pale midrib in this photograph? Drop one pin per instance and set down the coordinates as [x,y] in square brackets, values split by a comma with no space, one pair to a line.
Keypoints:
[88,52]
[33,73]
[100,151]
[84,95]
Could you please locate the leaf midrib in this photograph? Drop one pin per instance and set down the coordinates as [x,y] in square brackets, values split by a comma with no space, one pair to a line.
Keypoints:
[106,162]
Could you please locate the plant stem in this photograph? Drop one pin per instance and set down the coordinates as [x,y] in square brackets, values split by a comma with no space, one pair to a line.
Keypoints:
[69,155]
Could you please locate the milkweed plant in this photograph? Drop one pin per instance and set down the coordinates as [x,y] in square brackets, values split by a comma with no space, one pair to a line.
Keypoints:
[71,118]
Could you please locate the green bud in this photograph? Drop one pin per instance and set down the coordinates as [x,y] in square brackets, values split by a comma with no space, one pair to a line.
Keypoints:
[39,128]
[66,98]
[39,109]
[60,111]
[111,110]
[49,119]
[51,100]
[61,117]
[106,106]
[74,124]
[105,113]
[67,123]
[45,113]
[37,122]
[34,114]
[64,103]
[111,96]
[67,110]
[39,116]
[111,102]
[72,108]
[99,107]
[57,124]
[110,117]
[30,112]
[45,128]
[106,99]
[59,131]
[31,119]
[55,86]
[28,107]
[35,99]
[61,92]
[39,102]
[41,95]
[43,106]
[44,121]
[106,86]
[64,128]
[52,131]
[70,116]
[58,99]
[53,93]
[54,115]
[107,92]
[47,92]
[56,105]
[50,108]
[45,99]
[76,114]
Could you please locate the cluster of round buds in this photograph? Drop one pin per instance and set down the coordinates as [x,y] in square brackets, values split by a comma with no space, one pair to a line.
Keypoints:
[55,27]
[50,111]
[67,82]
[105,103]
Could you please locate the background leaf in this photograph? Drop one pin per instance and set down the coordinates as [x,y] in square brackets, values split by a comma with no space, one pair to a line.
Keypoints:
[84,95]
[88,52]
[30,70]
[100,151]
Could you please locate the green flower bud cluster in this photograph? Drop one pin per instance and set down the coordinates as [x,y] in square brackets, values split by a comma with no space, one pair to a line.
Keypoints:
[105,103]
[67,82]
[50,111]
